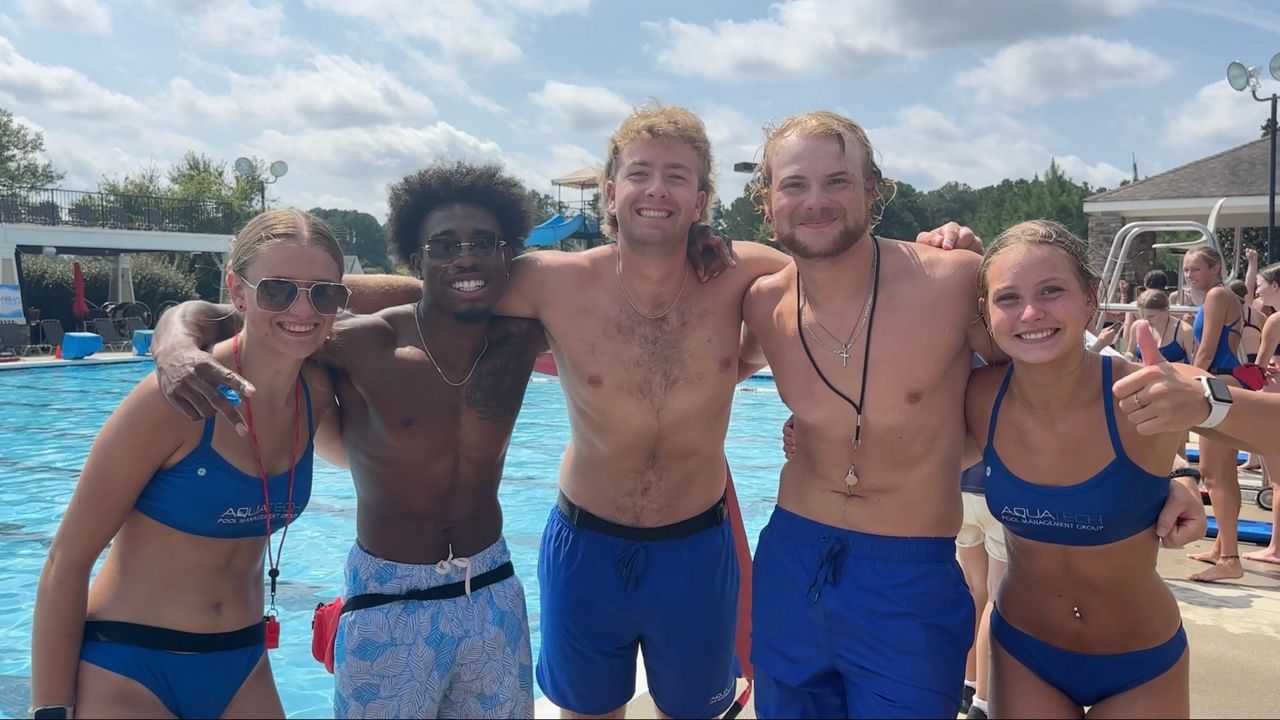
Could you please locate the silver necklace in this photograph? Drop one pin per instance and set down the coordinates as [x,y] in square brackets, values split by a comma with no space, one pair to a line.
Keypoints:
[642,314]
[843,351]
[418,323]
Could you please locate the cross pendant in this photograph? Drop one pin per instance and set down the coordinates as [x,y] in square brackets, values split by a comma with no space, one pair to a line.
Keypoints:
[844,356]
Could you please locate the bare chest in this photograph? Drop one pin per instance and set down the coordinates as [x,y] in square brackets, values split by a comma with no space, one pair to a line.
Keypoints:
[901,377]
[611,353]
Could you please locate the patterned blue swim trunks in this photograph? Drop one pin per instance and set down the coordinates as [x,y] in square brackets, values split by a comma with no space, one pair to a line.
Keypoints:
[464,657]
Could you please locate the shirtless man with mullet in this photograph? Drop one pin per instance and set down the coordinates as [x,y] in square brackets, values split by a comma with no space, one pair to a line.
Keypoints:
[859,606]
[429,392]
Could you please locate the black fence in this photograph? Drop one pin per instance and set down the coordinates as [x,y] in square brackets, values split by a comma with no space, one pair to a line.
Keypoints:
[43,206]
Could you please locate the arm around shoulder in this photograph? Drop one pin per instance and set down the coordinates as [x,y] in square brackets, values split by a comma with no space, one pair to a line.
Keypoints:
[371,293]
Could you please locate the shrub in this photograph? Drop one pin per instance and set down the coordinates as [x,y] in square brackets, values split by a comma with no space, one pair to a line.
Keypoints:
[47,283]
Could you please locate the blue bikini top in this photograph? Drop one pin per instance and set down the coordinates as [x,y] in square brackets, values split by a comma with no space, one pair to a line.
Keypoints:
[207,496]
[1223,357]
[1173,352]
[1120,501]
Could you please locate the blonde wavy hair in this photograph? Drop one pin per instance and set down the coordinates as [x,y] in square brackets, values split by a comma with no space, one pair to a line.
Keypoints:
[823,124]
[655,121]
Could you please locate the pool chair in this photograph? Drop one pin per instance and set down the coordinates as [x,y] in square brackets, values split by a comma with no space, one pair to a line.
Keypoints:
[111,337]
[15,339]
[51,333]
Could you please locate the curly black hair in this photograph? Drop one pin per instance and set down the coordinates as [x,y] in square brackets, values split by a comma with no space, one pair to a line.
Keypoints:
[486,186]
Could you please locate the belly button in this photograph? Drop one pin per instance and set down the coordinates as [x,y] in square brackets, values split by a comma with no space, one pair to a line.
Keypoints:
[594,381]
[913,398]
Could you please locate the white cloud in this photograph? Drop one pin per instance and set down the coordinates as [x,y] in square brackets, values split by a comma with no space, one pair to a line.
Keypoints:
[538,170]
[1232,10]
[239,26]
[385,153]
[474,33]
[336,91]
[1216,118]
[734,139]
[1034,72]
[60,89]
[88,16]
[462,30]
[87,159]
[584,107]
[928,148]
[449,80]
[859,35]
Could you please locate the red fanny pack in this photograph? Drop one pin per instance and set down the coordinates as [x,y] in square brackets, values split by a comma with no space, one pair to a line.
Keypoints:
[1251,376]
[324,631]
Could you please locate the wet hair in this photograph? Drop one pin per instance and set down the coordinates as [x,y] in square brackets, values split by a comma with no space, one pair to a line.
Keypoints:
[1239,288]
[1042,233]
[1212,257]
[1270,274]
[486,186]
[1153,300]
[823,124]
[655,121]
[1156,280]
[276,227]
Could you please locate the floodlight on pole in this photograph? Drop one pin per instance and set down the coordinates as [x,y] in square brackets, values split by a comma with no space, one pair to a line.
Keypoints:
[248,170]
[1240,78]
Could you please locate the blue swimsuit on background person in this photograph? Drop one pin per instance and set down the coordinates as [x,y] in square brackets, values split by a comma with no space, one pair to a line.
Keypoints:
[1173,352]
[1121,501]
[1224,359]
[198,674]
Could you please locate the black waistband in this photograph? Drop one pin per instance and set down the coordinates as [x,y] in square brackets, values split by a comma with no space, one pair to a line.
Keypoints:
[1222,371]
[712,517]
[441,592]
[158,638]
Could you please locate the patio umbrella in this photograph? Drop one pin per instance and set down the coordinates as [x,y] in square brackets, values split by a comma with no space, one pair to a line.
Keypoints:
[79,306]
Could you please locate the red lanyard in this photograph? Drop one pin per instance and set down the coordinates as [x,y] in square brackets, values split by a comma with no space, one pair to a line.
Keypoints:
[273,563]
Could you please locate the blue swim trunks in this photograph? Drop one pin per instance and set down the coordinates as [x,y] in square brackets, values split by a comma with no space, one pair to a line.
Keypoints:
[607,590]
[463,657]
[846,624]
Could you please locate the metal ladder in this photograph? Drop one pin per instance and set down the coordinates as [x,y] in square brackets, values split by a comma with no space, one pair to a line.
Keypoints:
[1123,241]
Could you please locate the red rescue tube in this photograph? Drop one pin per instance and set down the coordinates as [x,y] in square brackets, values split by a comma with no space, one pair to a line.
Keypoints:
[743,642]
[546,364]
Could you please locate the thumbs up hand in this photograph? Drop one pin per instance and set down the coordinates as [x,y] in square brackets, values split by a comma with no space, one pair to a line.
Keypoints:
[1161,396]
[1146,343]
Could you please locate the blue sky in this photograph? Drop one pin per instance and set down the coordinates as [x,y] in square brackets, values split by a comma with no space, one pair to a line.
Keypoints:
[353,95]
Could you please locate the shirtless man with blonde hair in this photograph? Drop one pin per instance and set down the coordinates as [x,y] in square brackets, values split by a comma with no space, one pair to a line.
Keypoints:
[859,606]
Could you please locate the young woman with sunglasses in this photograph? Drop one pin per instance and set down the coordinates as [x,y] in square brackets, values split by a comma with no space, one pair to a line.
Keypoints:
[174,624]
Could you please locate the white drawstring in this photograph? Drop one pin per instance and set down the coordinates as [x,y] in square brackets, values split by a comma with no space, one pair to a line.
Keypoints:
[444,566]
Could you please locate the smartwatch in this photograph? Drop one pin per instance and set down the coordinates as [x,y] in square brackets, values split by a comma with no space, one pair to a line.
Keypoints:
[1218,393]
[52,712]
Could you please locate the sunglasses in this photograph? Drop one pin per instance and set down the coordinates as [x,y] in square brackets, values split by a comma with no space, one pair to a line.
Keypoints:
[452,249]
[278,295]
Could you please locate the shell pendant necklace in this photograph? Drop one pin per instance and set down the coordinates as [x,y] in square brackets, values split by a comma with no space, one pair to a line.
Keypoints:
[851,477]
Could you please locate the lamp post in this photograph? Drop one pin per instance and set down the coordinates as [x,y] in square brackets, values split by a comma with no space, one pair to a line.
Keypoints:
[1240,78]
[245,168]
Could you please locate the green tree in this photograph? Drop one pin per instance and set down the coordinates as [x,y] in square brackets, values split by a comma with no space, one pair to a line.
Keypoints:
[20,149]
[904,214]
[743,220]
[544,206]
[359,234]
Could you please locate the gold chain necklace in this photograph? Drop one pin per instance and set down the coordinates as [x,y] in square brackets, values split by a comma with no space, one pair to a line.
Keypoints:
[418,323]
[644,315]
[843,352]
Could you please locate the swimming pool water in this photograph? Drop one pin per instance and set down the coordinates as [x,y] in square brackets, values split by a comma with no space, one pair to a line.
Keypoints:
[50,416]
